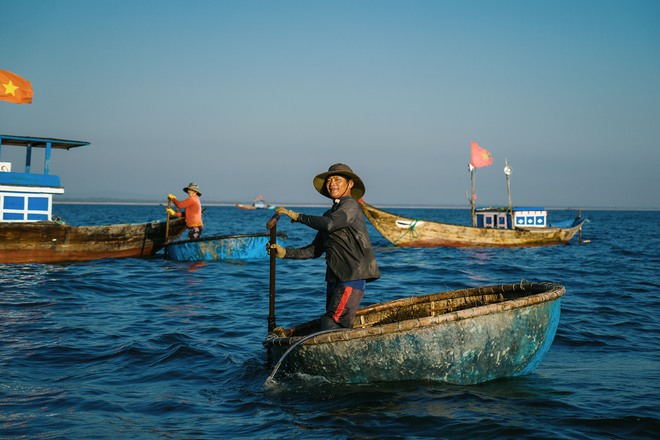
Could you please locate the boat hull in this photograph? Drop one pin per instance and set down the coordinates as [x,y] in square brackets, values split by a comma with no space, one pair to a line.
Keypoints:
[460,337]
[247,207]
[53,242]
[407,232]
[222,247]
[254,206]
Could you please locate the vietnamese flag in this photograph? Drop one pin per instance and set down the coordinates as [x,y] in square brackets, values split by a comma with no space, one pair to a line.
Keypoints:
[14,89]
[480,156]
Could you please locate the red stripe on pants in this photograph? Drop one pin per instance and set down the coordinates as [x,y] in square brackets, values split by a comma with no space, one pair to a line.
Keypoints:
[342,304]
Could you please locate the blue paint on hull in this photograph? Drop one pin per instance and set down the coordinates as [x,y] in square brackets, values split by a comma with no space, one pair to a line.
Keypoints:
[554,312]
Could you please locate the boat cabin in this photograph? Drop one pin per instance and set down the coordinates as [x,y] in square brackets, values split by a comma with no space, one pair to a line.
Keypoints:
[26,195]
[502,218]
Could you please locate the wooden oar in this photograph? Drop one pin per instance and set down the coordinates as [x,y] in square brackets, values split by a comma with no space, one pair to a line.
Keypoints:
[167,224]
[272,226]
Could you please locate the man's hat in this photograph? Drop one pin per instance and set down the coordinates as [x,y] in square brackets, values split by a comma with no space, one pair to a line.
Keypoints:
[194,187]
[340,169]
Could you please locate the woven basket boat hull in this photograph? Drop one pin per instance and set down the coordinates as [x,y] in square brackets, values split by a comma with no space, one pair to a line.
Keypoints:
[460,337]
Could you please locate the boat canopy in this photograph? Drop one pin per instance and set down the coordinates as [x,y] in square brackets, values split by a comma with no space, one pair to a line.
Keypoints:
[27,196]
[30,141]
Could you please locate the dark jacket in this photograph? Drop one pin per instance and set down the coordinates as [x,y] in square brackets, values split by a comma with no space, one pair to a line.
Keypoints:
[342,235]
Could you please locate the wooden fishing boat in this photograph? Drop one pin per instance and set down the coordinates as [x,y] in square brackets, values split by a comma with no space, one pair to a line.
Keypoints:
[461,337]
[520,227]
[28,232]
[491,227]
[221,247]
[56,242]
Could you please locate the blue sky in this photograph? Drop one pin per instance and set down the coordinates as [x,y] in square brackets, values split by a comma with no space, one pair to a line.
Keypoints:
[257,97]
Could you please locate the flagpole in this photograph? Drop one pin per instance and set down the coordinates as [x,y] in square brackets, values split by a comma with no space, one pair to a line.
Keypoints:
[474,216]
[479,157]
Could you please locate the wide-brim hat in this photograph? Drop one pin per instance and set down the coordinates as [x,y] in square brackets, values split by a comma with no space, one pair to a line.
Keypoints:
[194,187]
[340,169]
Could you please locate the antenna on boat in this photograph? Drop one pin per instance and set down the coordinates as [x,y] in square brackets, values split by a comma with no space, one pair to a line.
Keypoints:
[507,172]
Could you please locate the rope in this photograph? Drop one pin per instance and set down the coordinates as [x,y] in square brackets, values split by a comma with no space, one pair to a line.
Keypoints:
[410,230]
[290,349]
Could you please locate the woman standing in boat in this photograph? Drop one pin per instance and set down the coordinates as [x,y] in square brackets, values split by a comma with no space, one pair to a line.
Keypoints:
[192,210]
[342,235]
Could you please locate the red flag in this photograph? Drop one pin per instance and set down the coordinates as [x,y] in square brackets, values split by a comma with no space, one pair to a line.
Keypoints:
[480,156]
[14,89]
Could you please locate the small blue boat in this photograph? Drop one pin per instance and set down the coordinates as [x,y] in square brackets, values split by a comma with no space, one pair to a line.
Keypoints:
[460,337]
[221,247]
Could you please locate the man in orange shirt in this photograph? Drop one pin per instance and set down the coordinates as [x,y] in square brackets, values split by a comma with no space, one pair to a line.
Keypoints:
[193,210]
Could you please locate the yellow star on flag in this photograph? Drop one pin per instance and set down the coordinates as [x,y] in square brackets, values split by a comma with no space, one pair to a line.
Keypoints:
[10,88]
[480,156]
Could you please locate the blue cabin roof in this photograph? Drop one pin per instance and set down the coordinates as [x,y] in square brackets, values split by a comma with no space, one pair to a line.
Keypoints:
[506,209]
[529,208]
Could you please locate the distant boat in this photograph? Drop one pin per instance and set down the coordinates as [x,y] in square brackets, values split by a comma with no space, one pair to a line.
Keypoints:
[259,203]
[29,234]
[221,247]
[525,227]
[460,337]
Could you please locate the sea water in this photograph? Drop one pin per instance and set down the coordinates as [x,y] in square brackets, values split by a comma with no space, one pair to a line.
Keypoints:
[147,348]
